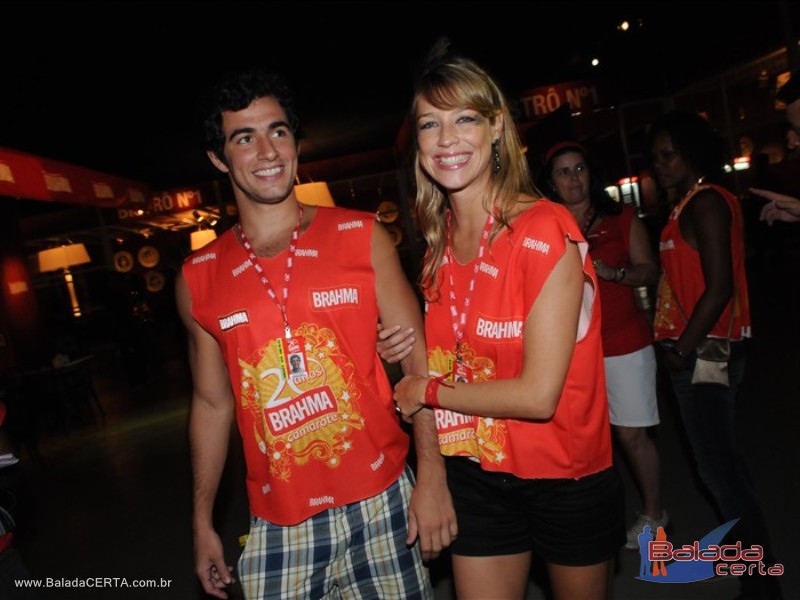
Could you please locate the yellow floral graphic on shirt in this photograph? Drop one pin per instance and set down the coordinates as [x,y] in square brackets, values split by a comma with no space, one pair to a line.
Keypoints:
[298,419]
[467,435]
[667,316]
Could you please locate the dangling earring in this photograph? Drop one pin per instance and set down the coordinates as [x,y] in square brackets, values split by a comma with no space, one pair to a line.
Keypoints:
[496,156]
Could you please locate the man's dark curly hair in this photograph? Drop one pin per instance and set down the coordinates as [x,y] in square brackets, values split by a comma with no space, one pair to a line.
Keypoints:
[236,92]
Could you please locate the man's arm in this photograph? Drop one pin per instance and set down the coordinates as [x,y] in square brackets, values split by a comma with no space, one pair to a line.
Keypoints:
[431,517]
[395,343]
[210,421]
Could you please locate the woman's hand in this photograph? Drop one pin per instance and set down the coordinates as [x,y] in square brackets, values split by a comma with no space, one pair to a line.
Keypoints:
[604,271]
[395,343]
[673,360]
[409,395]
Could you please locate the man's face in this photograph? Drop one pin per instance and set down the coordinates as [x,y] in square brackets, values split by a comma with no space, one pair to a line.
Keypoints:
[260,151]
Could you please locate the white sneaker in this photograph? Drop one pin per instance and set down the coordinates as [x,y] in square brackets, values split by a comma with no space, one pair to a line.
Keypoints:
[638,526]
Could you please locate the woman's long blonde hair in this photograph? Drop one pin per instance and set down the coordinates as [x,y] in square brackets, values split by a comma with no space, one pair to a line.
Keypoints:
[449,82]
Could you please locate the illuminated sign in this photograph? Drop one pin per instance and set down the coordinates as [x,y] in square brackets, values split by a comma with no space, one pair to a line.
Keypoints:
[162,203]
[538,102]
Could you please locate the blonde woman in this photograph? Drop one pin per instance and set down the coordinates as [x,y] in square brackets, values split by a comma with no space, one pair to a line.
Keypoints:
[514,352]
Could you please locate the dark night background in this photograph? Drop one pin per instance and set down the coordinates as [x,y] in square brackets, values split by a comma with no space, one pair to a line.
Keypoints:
[114,86]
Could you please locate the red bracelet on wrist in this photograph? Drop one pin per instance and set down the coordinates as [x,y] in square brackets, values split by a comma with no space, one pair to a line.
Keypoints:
[432,391]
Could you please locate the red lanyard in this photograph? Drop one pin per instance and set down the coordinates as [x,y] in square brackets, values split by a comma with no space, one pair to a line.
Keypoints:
[287,276]
[459,318]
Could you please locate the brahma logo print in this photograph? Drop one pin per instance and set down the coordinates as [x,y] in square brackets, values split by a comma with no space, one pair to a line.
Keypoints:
[661,562]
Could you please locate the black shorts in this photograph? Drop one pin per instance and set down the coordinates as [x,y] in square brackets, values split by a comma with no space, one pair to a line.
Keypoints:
[572,522]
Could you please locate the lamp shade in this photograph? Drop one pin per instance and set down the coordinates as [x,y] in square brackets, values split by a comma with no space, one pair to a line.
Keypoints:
[315,193]
[63,257]
[201,237]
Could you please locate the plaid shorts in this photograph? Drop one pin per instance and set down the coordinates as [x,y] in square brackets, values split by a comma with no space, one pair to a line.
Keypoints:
[355,551]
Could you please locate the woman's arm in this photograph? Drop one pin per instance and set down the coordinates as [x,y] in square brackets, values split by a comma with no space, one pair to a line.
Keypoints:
[644,268]
[550,332]
[707,228]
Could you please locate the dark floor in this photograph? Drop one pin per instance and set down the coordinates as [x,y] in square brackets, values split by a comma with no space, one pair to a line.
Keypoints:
[112,499]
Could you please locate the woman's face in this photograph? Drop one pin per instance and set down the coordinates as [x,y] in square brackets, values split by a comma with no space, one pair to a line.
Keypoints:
[455,145]
[570,178]
[669,167]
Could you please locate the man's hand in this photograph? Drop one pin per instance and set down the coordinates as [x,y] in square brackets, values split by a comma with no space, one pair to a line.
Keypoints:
[779,208]
[210,565]
[431,519]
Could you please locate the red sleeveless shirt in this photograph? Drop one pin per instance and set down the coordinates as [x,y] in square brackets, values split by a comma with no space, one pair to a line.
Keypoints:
[330,437]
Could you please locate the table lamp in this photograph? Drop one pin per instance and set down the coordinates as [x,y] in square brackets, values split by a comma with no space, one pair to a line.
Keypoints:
[62,258]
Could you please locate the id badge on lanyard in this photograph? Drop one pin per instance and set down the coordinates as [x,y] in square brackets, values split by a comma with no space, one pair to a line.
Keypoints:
[293,357]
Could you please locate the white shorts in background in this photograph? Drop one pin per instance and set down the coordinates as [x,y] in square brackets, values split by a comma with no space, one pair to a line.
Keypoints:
[631,386]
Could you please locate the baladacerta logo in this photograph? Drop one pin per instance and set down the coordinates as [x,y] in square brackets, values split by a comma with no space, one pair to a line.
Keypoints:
[661,562]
